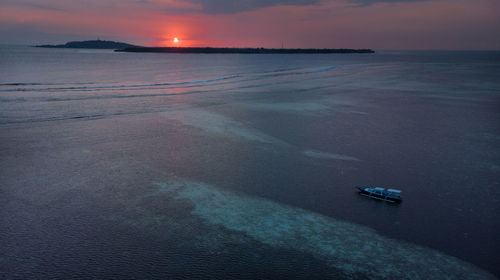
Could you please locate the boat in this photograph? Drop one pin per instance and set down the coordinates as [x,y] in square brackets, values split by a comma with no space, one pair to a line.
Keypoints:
[389,195]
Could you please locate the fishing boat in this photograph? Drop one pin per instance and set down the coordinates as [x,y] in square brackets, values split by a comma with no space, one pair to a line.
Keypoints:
[389,195]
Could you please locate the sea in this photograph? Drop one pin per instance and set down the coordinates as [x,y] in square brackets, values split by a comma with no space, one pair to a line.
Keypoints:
[244,166]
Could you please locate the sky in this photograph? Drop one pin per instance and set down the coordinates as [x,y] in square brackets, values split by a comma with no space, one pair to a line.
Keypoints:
[374,24]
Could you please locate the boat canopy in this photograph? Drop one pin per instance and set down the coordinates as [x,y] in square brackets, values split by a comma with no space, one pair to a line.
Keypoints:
[378,189]
[394,190]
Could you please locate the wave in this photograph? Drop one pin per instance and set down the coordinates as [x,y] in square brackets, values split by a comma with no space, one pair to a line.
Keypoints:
[97,97]
[119,86]
[244,78]
[43,84]
[289,73]
[68,117]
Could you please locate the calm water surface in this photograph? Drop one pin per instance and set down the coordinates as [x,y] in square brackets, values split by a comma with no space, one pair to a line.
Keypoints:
[194,166]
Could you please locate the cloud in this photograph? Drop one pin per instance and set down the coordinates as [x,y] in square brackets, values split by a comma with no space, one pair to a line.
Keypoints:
[227,7]
[178,6]
[28,35]
[370,2]
[32,4]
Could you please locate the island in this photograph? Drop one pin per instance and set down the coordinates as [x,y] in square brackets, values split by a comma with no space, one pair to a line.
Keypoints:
[91,44]
[238,50]
[124,47]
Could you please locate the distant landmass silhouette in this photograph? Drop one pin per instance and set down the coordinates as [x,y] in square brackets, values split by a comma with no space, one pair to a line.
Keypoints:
[240,50]
[91,44]
[124,47]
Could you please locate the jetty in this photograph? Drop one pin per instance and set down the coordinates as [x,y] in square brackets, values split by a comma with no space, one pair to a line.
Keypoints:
[209,50]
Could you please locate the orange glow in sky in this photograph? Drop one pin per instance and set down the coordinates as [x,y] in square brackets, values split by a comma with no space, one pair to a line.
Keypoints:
[376,24]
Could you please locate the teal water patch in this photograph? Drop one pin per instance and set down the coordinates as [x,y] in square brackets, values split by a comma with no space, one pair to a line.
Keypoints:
[226,127]
[306,107]
[220,125]
[359,112]
[310,107]
[453,97]
[325,155]
[494,168]
[351,248]
[490,136]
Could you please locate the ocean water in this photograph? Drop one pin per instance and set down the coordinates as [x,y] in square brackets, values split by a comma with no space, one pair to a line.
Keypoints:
[196,166]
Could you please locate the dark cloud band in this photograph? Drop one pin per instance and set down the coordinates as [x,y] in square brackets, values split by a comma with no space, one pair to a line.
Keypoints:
[370,2]
[225,7]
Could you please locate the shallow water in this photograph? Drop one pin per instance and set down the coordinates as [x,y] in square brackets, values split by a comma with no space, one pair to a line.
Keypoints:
[243,166]
[348,247]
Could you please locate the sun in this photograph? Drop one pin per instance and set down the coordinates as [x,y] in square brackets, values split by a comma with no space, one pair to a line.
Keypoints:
[176,40]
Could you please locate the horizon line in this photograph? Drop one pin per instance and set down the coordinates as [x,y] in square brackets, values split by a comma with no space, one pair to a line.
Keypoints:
[402,49]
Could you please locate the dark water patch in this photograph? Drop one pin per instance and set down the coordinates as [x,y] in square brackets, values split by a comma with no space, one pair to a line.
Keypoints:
[129,231]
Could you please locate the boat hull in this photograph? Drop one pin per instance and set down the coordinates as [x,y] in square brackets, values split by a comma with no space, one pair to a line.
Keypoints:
[379,195]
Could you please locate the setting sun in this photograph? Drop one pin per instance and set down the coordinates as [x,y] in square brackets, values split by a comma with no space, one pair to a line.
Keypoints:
[176,40]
